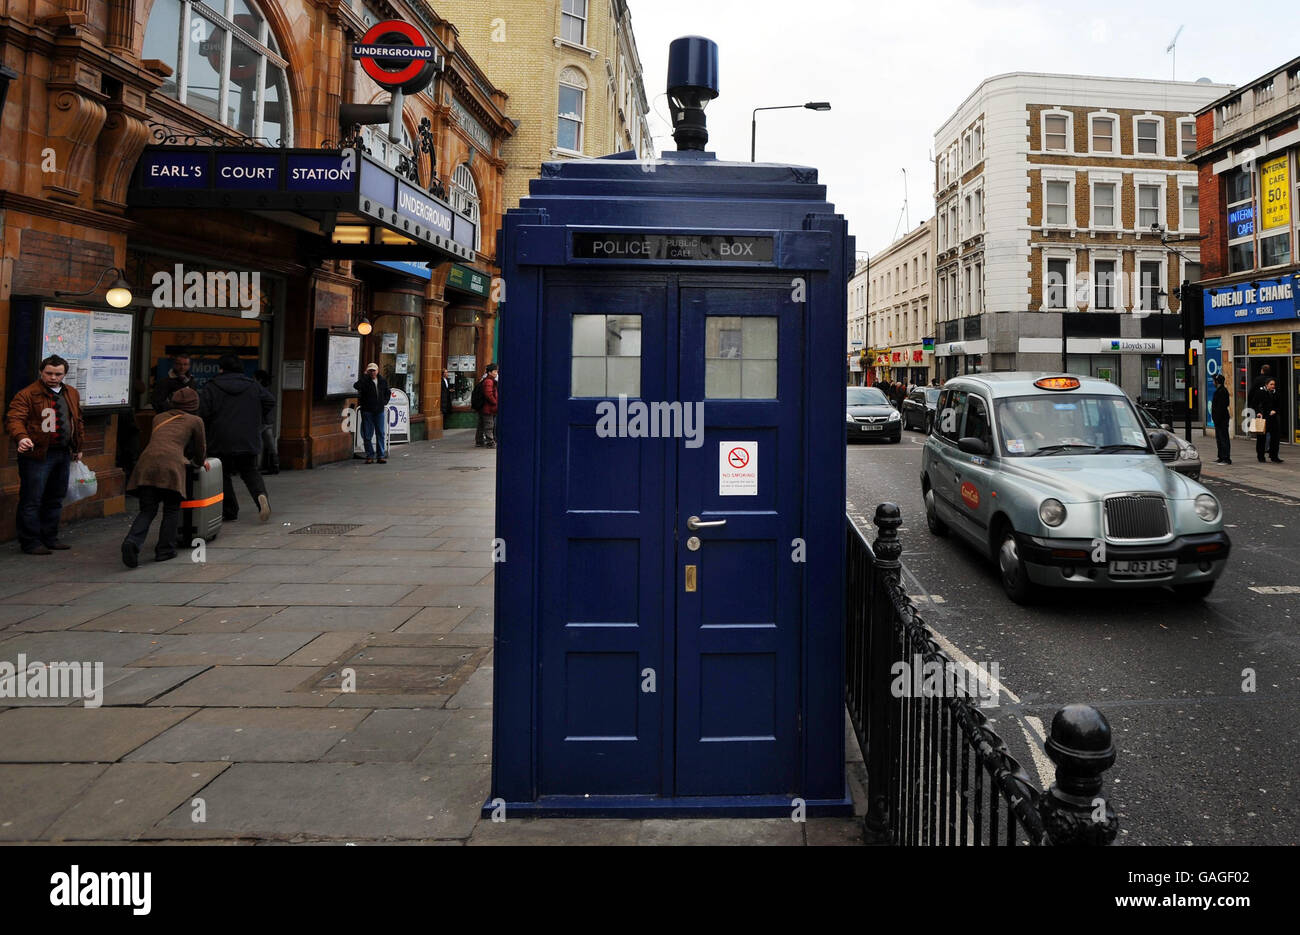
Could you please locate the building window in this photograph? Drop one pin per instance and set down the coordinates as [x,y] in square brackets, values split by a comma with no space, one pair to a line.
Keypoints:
[1056,204]
[606,355]
[236,77]
[1103,134]
[573,22]
[1149,283]
[1238,188]
[572,103]
[1056,132]
[400,365]
[1058,275]
[1275,212]
[375,141]
[464,199]
[1103,273]
[1148,206]
[1103,204]
[1147,134]
[1186,137]
[1189,215]
[979,210]
[977,305]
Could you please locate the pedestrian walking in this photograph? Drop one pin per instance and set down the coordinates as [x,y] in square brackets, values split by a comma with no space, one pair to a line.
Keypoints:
[44,418]
[1265,403]
[234,407]
[484,402]
[372,399]
[1222,419]
[178,438]
[178,377]
[270,448]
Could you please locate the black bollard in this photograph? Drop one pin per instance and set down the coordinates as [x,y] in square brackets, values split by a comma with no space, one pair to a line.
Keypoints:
[1073,811]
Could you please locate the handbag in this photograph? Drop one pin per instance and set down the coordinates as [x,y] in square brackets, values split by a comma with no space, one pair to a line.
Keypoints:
[1259,426]
[82,482]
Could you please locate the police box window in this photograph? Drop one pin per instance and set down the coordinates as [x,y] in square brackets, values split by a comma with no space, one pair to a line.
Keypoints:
[606,359]
[740,357]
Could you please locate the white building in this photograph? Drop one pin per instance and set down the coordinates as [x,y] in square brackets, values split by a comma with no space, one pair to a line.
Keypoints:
[857,330]
[1046,190]
[899,313]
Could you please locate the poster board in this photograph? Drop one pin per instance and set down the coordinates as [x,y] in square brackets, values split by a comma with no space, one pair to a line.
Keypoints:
[338,363]
[97,344]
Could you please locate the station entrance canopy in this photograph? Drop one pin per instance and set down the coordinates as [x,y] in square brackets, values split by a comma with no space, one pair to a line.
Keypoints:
[362,208]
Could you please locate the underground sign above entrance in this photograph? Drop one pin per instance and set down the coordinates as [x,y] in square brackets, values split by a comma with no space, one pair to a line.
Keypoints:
[396,55]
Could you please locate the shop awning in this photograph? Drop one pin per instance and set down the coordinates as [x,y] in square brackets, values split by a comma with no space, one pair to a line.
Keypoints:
[362,209]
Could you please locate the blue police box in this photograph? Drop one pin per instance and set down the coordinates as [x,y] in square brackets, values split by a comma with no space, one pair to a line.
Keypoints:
[670,488]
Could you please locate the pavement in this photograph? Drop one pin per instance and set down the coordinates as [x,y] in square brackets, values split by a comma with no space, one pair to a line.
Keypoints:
[323,677]
[1280,479]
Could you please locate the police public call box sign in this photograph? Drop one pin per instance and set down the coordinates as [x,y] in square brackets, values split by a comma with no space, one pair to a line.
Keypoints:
[632,246]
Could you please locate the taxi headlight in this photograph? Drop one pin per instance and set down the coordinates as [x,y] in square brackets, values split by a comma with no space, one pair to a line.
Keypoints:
[848,416]
[1052,512]
[1207,508]
[1188,454]
[894,416]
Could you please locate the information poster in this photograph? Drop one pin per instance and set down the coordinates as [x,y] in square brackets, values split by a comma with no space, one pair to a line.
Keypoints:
[343,364]
[1153,378]
[389,343]
[97,346]
[292,376]
[1213,366]
[402,363]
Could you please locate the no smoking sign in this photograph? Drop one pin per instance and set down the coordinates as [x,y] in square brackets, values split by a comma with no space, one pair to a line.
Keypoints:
[737,469]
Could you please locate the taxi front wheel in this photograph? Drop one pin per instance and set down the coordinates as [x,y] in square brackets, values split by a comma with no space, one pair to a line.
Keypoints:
[1015,579]
[937,526]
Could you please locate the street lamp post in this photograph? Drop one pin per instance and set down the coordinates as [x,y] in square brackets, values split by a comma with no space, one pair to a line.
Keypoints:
[753,119]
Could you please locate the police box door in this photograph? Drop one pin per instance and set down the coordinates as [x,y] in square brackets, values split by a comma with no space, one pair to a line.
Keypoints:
[739,506]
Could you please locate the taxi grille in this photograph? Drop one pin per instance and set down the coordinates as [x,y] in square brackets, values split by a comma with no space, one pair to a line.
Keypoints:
[1137,517]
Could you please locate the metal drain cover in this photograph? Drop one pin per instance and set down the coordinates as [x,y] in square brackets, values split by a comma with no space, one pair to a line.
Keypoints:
[464,467]
[326,529]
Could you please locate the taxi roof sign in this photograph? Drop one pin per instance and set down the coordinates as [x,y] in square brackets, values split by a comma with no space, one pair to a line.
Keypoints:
[1057,383]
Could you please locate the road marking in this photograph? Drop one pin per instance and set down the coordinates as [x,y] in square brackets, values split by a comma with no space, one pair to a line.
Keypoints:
[1277,589]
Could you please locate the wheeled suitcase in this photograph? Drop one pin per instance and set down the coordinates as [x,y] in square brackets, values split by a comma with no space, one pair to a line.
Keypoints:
[201,508]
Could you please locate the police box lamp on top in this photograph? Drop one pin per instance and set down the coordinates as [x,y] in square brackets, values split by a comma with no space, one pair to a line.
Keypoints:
[692,83]
[118,294]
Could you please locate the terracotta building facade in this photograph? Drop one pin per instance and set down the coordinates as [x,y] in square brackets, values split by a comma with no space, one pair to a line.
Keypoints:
[113,105]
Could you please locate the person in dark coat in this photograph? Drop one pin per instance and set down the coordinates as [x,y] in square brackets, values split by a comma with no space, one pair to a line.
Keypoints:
[372,399]
[178,438]
[1265,403]
[1222,420]
[177,378]
[234,408]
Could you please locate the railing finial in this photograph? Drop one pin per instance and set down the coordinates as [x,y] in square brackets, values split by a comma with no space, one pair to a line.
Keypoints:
[887,547]
[1074,811]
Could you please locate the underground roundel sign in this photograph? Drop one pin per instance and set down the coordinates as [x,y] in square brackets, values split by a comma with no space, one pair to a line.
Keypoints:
[396,55]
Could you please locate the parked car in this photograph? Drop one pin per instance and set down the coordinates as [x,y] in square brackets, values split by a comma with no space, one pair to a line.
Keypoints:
[1055,478]
[869,415]
[1178,453]
[918,408]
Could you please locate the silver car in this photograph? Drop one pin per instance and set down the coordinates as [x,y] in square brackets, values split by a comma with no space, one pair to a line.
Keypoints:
[1055,478]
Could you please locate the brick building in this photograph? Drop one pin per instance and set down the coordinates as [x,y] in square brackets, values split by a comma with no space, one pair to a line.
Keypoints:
[108,89]
[1248,147]
[1046,190]
[900,318]
[573,75]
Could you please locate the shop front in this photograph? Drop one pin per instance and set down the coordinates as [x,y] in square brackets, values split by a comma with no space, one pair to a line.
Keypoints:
[470,337]
[954,358]
[1258,331]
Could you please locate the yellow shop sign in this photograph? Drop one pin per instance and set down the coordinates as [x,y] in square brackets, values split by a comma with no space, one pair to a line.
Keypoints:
[1275,193]
[1269,344]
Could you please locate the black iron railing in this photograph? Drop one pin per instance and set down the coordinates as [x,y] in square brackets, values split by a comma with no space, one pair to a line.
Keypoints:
[937,773]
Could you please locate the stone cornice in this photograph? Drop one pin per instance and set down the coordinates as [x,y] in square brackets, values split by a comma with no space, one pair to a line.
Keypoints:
[59,211]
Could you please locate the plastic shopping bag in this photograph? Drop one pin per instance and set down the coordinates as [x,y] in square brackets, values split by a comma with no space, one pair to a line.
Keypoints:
[82,482]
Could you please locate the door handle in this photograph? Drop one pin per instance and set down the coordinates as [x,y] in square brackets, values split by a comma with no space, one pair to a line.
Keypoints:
[695,523]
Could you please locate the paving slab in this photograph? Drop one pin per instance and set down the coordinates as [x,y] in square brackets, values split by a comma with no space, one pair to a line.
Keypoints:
[59,592]
[141,618]
[128,799]
[33,797]
[131,686]
[13,613]
[448,596]
[281,574]
[251,735]
[79,734]
[197,572]
[340,801]
[58,618]
[247,686]
[227,649]
[435,620]
[530,832]
[320,619]
[480,622]
[721,831]
[336,595]
[226,619]
[387,543]
[325,649]
[477,691]
[232,594]
[464,739]
[392,735]
[141,593]
[112,649]
[834,832]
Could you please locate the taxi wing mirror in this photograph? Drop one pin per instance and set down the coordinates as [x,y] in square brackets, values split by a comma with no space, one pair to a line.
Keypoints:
[972,445]
[1159,440]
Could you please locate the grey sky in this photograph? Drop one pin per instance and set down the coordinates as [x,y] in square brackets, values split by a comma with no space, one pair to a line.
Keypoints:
[895,71]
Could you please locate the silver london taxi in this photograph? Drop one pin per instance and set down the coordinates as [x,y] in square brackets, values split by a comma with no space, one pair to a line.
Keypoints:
[1055,478]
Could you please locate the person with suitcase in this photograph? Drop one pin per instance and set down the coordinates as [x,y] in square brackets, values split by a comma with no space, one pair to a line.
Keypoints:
[159,477]
[234,407]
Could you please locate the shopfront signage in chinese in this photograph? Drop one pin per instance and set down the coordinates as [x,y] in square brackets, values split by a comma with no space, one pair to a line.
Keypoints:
[1245,302]
[1275,193]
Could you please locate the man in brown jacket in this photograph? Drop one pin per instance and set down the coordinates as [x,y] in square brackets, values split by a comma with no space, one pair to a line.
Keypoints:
[159,476]
[45,420]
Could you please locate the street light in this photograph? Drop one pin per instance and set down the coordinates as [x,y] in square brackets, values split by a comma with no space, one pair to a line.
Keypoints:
[118,295]
[753,119]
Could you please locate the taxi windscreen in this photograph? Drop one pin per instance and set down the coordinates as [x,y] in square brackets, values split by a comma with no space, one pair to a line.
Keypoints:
[1054,423]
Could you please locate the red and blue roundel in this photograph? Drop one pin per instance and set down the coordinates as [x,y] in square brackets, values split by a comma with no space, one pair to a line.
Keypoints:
[396,55]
